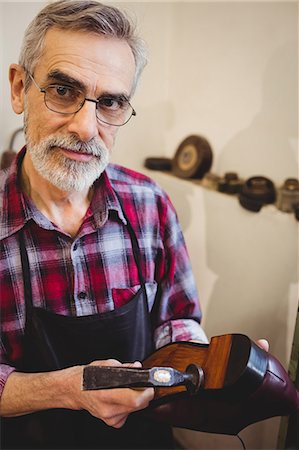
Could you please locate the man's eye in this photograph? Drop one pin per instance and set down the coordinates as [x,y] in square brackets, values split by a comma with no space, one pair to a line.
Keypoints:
[66,93]
[111,103]
[62,90]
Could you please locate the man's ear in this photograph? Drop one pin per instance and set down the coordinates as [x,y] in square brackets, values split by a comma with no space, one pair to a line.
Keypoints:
[17,87]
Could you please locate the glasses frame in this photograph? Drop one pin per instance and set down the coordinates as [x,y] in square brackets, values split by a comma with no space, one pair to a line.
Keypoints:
[44,91]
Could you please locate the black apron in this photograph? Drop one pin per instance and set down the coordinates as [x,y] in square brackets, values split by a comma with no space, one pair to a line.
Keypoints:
[54,341]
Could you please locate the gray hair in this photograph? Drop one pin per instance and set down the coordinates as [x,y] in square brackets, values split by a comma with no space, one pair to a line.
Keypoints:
[81,15]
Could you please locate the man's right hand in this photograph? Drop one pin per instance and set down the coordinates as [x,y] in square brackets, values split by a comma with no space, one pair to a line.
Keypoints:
[113,405]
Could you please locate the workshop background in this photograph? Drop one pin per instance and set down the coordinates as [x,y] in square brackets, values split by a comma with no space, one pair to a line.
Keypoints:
[227,71]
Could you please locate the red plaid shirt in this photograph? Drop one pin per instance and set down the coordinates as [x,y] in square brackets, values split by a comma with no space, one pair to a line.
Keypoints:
[96,271]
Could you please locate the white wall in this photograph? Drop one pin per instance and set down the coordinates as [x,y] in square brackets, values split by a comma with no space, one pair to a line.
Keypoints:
[15,16]
[227,71]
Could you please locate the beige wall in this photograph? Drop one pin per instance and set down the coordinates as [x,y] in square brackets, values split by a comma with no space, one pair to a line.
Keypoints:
[227,71]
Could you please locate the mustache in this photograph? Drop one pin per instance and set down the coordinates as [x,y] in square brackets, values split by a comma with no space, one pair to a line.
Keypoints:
[92,147]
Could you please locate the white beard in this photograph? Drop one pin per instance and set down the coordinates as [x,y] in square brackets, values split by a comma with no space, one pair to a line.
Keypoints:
[65,173]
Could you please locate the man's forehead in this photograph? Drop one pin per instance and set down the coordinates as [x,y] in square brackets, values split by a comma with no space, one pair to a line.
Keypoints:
[60,41]
[87,56]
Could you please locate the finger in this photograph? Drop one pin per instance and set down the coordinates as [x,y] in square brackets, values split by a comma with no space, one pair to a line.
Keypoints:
[139,401]
[119,421]
[142,398]
[106,362]
[136,364]
[264,344]
[115,421]
[126,399]
[112,418]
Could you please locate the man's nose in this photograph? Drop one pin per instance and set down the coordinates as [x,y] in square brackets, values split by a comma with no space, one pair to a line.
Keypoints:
[84,123]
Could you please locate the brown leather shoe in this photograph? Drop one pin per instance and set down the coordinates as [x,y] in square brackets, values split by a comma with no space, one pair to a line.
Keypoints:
[230,409]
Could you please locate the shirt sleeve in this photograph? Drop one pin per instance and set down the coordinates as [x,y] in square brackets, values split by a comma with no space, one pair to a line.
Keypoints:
[5,371]
[177,314]
[179,330]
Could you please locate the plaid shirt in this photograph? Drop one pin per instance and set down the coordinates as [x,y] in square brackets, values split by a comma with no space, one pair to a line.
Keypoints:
[96,271]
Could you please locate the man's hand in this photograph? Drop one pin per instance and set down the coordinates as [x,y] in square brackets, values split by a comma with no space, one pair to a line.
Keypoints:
[112,405]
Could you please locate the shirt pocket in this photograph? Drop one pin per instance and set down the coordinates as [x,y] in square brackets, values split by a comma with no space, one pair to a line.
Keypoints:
[122,296]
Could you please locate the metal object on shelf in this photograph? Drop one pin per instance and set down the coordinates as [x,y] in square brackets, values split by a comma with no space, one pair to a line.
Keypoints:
[256,192]
[193,158]
[288,195]
[210,181]
[156,163]
[230,183]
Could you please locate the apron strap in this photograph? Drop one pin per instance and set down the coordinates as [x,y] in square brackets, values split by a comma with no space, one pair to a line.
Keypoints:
[135,244]
[26,272]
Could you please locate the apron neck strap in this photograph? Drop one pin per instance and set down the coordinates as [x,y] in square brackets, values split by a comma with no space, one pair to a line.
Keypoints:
[135,245]
[26,271]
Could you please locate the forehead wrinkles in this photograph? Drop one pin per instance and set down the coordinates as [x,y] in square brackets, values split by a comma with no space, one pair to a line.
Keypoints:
[90,57]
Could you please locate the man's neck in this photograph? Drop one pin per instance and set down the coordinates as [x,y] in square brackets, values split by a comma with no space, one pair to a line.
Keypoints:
[65,209]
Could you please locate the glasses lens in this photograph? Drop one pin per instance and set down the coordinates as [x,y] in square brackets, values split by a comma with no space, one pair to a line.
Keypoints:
[67,100]
[63,99]
[114,111]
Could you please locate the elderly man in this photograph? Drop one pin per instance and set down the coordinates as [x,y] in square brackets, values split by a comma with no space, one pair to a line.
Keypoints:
[94,269]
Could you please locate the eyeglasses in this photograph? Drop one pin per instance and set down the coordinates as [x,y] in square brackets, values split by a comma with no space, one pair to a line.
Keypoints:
[64,99]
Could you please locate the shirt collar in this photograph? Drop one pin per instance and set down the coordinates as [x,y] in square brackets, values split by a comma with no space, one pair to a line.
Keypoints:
[105,200]
[16,212]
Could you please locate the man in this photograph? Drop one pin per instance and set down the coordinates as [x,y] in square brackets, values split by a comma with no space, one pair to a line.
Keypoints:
[94,269]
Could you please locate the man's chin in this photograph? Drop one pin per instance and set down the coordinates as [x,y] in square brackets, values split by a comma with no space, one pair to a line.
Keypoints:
[79,186]
[68,170]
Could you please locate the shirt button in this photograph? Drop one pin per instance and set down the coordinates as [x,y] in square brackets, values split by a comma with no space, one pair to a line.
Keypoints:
[75,247]
[82,295]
